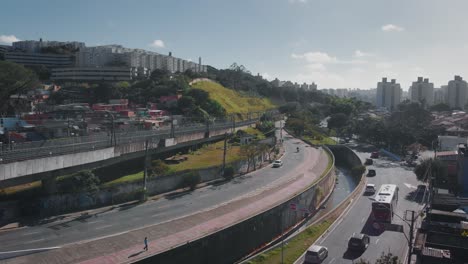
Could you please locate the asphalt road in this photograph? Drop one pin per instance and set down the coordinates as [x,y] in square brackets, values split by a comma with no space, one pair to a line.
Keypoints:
[391,239]
[165,209]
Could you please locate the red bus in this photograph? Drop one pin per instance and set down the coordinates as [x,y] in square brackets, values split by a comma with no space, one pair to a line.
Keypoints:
[385,202]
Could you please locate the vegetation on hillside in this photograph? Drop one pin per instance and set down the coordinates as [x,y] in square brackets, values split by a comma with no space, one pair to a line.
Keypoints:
[232,101]
[14,79]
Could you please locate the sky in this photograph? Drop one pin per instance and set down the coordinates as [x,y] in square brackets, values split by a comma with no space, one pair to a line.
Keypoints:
[334,43]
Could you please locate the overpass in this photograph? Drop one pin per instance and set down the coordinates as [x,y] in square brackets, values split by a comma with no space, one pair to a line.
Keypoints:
[45,161]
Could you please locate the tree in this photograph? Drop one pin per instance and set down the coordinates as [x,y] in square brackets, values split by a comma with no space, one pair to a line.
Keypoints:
[85,181]
[357,171]
[249,152]
[338,121]
[432,167]
[14,79]
[441,107]
[388,258]
[296,124]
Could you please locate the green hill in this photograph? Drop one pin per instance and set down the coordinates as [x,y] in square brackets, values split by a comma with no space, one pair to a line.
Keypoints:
[233,101]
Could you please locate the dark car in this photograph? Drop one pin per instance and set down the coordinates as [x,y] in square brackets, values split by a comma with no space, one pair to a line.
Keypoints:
[368,162]
[358,242]
[371,173]
[374,155]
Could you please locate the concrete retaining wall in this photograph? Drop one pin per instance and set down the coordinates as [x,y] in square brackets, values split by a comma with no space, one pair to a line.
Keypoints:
[234,242]
[64,203]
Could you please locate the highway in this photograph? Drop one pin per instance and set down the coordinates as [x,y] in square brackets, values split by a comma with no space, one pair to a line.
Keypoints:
[123,219]
[358,218]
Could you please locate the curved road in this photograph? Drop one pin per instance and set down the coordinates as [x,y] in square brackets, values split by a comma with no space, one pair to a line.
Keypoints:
[392,239]
[128,218]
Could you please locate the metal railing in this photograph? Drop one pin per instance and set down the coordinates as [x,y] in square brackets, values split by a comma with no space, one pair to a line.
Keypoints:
[39,149]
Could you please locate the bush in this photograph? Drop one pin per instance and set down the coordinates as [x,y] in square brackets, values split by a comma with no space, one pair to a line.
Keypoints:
[158,167]
[85,181]
[229,172]
[190,180]
[357,171]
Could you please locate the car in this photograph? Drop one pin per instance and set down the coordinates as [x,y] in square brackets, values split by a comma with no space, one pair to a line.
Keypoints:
[342,141]
[358,242]
[370,188]
[277,163]
[316,254]
[374,155]
[368,162]
[371,173]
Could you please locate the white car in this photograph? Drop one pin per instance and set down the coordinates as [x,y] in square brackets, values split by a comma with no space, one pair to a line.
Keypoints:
[316,254]
[277,163]
[370,188]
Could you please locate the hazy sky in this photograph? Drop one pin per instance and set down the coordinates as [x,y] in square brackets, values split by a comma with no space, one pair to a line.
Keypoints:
[335,43]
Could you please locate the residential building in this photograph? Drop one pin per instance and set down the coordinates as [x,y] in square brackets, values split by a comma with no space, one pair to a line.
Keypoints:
[93,74]
[422,91]
[34,46]
[440,95]
[388,94]
[48,60]
[457,93]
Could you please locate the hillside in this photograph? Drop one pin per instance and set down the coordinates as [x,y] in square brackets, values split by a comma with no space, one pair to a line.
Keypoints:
[231,100]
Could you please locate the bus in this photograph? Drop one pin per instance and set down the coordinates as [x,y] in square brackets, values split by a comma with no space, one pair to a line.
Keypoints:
[385,202]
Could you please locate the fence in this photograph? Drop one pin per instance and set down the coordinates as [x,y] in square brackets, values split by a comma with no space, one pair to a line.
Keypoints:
[39,149]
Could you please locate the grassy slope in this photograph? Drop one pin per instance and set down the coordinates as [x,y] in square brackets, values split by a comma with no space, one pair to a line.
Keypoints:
[231,100]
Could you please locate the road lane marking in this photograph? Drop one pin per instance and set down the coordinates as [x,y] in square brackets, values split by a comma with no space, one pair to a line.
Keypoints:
[31,233]
[377,241]
[97,221]
[102,227]
[32,241]
[362,221]
[332,260]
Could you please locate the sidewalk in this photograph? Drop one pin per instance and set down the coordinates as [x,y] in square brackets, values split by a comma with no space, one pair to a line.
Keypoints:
[128,247]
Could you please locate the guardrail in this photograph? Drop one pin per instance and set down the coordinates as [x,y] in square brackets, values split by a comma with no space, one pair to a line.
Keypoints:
[32,150]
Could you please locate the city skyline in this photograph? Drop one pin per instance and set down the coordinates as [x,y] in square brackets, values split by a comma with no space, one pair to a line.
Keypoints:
[334,44]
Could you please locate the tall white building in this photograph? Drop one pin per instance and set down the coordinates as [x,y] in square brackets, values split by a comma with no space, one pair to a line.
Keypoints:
[34,46]
[422,91]
[440,95]
[388,94]
[457,92]
[116,55]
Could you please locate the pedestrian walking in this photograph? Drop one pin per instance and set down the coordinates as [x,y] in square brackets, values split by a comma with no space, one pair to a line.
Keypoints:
[146,244]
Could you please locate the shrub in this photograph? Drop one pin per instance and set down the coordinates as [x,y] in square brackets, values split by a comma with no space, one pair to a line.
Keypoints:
[357,171]
[158,167]
[190,180]
[229,172]
[85,181]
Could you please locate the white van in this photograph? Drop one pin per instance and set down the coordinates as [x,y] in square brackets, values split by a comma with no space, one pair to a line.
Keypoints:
[316,254]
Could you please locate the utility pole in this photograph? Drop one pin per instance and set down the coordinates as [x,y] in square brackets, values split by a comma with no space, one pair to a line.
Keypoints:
[282,238]
[224,154]
[145,171]
[410,241]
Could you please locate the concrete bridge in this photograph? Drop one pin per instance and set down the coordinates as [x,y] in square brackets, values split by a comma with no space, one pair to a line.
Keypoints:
[24,165]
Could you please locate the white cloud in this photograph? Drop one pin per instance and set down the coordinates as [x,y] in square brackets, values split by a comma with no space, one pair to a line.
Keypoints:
[8,39]
[315,57]
[360,54]
[318,57]
[316,67]
[383,65]
[157,44]
[391,27]
[267,76]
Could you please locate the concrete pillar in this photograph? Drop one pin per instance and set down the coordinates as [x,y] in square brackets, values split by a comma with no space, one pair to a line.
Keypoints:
[49,185]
